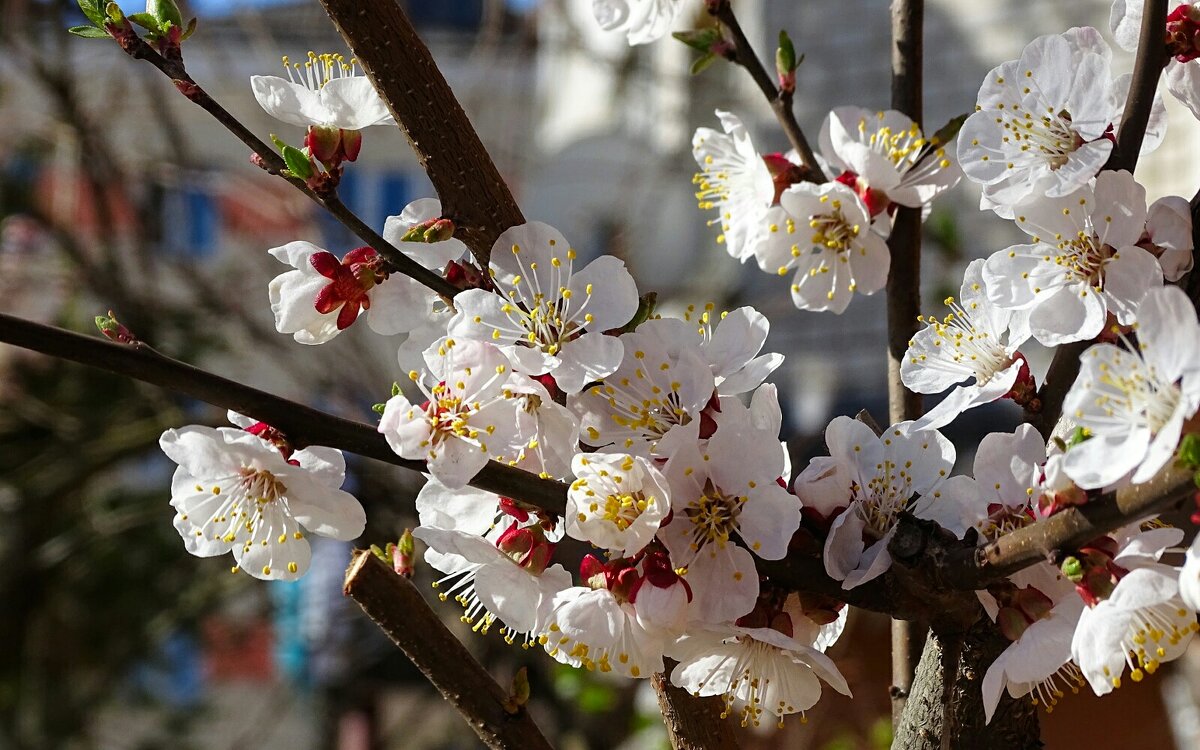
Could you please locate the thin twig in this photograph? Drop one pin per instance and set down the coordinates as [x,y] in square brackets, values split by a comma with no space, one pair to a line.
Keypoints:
[302,424]
[780,101]
[904,296]
[400,611]
[1147,69]
[273,163]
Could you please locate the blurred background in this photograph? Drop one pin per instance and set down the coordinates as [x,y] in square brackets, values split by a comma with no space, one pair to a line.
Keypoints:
[116,193]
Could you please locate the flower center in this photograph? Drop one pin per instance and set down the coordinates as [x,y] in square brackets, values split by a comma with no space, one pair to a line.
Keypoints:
[965,344]
[1151,633]
[545,314]
[833,230]
[714,516]
[1084,258]
[1137,395]
[1183,33]
[448,414]
[319,70]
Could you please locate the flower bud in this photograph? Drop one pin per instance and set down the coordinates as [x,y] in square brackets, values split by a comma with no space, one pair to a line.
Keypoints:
[114,330]
[165,12]
[403,555]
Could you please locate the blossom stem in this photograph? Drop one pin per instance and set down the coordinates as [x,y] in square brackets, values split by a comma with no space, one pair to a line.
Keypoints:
[780,101]
[273,163]
[395,605]
[1147,69]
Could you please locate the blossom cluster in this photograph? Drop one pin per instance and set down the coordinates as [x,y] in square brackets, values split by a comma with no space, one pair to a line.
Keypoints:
[668,437]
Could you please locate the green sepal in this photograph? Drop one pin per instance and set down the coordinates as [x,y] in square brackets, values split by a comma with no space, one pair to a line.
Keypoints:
[395,389]
[88,32]
[1078,435]
[378,408]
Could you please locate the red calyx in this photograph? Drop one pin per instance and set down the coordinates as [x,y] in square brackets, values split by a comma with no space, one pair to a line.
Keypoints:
[708,423]
[509,507]
[464,276]
[876,200]
[783,173]
[1024,390]
[1183,33]
[350,280]
[332,146]
[527,546]
[275,438]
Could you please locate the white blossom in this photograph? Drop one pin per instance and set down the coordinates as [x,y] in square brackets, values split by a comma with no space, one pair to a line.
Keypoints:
[616,502]
[1182,73]
[236,491]
[1082,264]
[325,91]
[547,316]
[1132,404]
[642,21]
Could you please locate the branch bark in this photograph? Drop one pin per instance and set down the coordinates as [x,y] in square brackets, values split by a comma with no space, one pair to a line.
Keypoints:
[302,424]
[904,293]
[692,723]
[400,611]
[472,192]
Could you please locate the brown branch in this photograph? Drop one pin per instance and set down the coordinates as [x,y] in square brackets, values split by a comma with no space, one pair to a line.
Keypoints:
[976,569]
[692,723]
[273,163]
[400,611]
[472,192]
[904,296]
[302,424]
[1147,68]
[780,101]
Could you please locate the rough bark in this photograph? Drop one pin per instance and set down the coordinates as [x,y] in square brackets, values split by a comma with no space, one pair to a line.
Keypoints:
[692,723]
[945,713]
[399,610]
[472,192]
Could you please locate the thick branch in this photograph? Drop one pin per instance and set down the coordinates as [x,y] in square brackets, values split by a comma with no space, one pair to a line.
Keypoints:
[1147,68]
[472,192]
[904,293]
[780,101]
[273,163]
[302,424]
[692,723]
[402,614]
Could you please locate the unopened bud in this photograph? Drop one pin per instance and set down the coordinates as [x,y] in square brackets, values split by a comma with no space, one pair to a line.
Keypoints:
[519,694]
[786,62]
[114,330]
[1072,569]
[403,555]
[433,230]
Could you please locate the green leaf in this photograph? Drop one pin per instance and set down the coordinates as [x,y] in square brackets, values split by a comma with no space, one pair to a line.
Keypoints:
[166,11]
[146,21]
[94,10]
[701,40]
[89,32]
[946,133]
[298,162]
[1189,451]
[703,62]
[191,29]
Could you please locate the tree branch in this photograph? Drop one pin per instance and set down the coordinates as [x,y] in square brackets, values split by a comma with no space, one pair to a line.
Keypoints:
[904,294]
[302,424]
[473,194]
[273,163]
[1147,69]
[780,101]
[400,611]
[692,723]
